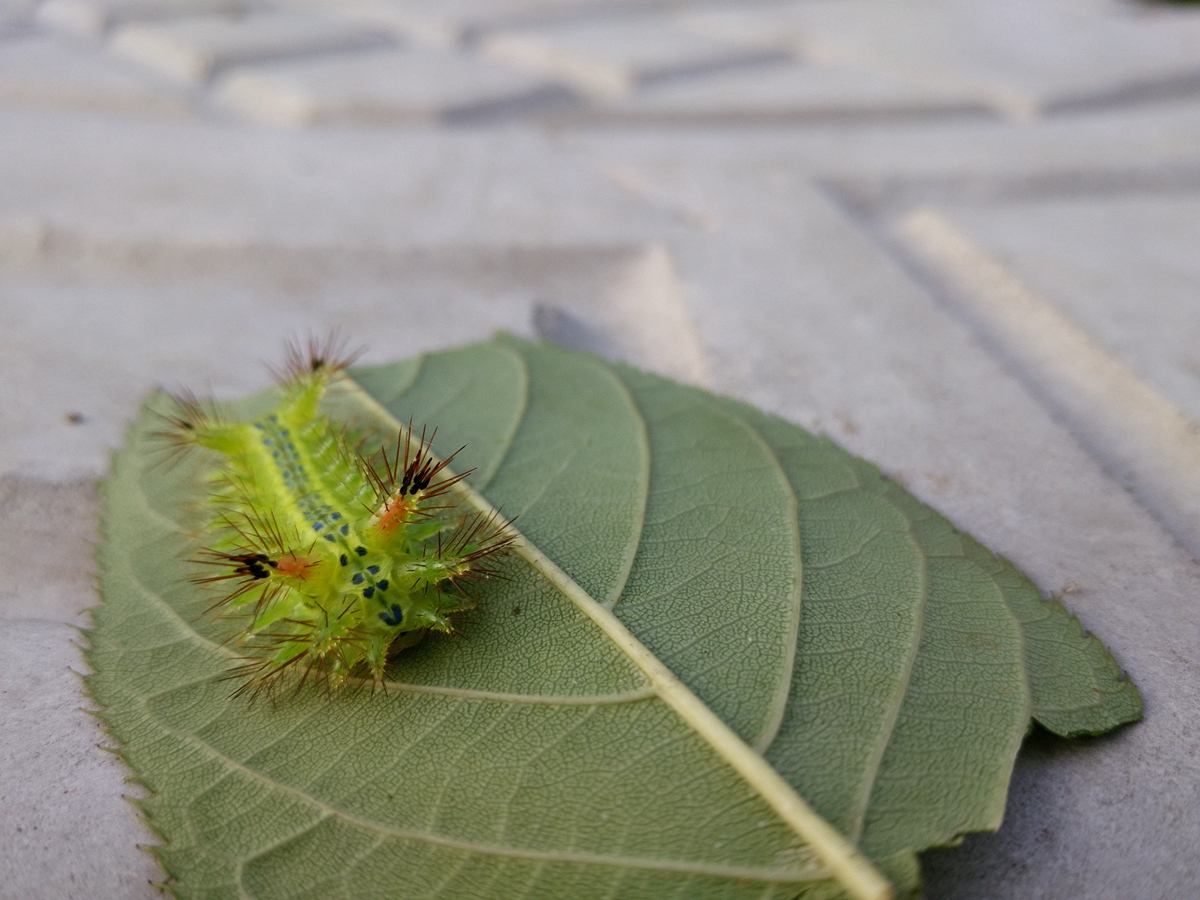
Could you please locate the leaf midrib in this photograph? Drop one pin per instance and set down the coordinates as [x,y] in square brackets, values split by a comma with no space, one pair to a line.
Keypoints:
[843,860]
[327,810]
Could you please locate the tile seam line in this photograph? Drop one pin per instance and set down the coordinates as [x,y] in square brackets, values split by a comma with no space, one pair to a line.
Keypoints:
[931,252]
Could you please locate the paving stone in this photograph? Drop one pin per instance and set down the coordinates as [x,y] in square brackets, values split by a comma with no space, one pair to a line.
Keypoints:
[1056,340]
[67,830]
[452,22]
[244,185]
[55,524]
[1025,56]
[387,87]
[96,306]
[194,48]
[1124,267]
[96,16]
[134,330]
[905,160]
[613,57]
[16,15]
[39,71]
[787,92]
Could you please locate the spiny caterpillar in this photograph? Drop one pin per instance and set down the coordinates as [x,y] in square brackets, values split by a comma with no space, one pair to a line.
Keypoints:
[335,560]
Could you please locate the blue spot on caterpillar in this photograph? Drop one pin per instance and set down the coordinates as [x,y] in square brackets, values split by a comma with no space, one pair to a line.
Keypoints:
[305,600]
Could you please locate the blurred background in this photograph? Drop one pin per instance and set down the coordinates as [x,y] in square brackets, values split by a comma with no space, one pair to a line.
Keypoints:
[960,237]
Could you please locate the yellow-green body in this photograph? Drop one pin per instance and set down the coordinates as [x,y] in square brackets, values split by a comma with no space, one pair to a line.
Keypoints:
[334,557]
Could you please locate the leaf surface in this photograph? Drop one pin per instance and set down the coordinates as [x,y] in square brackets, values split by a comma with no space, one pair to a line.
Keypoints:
[727,654]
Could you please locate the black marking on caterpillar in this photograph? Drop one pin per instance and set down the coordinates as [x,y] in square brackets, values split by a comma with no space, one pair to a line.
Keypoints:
[335,559]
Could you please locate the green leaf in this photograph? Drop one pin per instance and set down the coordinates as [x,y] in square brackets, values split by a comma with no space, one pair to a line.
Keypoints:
[727,655]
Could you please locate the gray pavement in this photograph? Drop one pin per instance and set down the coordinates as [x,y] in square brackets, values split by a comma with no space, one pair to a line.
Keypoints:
[961,239]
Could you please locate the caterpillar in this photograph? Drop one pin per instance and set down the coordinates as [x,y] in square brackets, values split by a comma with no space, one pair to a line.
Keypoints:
[334,561]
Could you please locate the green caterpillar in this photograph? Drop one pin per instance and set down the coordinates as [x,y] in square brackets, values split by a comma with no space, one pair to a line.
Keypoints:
[336,561]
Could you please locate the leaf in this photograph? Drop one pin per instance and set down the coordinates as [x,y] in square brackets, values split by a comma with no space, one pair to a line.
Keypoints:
[728,653]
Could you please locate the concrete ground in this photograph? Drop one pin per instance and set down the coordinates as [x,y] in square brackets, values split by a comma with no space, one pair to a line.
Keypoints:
[961,237]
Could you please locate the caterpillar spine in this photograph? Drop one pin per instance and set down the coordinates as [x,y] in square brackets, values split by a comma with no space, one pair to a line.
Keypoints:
[335,560]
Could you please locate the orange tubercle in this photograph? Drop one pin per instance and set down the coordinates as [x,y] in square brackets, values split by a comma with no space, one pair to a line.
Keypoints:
[393,515]
[296,566]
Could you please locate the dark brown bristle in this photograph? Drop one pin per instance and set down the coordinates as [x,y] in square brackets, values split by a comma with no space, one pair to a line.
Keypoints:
[262,533]
[189,414]
[326,353]
[404,470]
[478,537]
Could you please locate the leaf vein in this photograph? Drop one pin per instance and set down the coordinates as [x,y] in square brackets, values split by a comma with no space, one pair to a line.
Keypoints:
[843,859]
[746,873]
